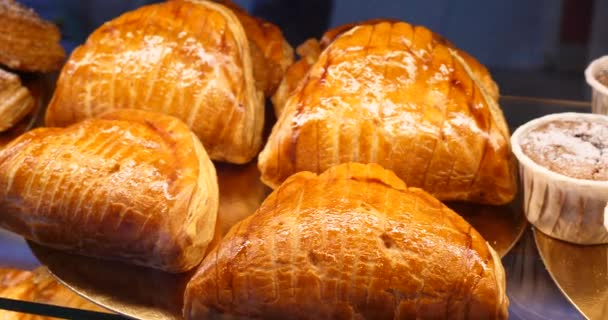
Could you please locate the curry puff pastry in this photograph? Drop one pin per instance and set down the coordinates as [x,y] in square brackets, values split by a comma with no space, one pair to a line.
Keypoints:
[116,187]
[351,243]
[190,59]
[401,96]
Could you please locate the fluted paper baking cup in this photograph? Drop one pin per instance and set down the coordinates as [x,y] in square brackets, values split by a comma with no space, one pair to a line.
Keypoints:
[566,208]
[599,102]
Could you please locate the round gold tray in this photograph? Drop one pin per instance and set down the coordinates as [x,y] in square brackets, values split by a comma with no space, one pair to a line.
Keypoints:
[143,293]
[580,272]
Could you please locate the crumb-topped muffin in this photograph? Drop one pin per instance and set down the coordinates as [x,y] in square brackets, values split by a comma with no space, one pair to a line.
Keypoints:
[574,148]
[563,161]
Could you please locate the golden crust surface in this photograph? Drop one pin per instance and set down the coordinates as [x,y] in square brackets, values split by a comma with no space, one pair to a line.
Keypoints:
[190,60]
[271,53]
[132,185]
[351,243]
[28,43]
[309,52]
[400,96]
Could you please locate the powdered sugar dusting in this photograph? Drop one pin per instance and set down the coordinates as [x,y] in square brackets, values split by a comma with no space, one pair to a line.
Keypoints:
[575,148]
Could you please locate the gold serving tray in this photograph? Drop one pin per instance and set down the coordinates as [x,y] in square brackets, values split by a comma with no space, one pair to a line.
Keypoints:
[580,272]
[143,293]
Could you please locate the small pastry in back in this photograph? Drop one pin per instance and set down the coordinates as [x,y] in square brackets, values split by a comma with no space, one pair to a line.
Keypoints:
[15,100]
[131,185]
[351,243]
[28,43]
[309,52]
[401,96]
[189,59]
[271,53]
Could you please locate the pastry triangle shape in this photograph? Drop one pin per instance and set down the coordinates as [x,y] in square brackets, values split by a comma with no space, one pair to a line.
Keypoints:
[189,59]
[352,243]
[130,185]
[403,97]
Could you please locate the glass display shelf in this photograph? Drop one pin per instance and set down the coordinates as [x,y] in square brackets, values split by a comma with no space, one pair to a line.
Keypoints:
[532,291]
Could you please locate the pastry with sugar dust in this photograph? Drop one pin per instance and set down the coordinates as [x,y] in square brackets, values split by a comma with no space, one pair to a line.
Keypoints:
[131,185]
[351,243]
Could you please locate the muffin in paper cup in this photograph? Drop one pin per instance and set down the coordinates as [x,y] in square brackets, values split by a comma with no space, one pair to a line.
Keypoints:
[565,198]
[599,91]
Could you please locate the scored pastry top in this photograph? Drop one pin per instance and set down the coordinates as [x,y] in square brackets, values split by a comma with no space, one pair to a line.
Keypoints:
[27,42]
[131,185]
[353,242]
[188,59]
[400,96]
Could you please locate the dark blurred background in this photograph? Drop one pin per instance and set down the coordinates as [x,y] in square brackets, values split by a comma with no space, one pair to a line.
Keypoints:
[533,47]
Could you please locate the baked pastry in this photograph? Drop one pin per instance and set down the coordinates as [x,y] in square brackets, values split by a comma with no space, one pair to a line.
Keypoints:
[309,52]
[28,43]
[38,286]
[188,59]
[131,185]
[270,52]
[15,100]
[564,168]
[400,96]
[353,242]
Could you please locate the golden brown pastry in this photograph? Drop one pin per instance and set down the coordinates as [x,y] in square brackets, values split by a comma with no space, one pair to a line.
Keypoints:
[131,185]
[309,52]
[271,53]
[15,100]
[28,43]
[38,286]
[351,243]
[188,59]
[400,96]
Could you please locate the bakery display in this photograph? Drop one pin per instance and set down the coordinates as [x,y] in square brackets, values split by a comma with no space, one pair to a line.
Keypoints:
[38,286]
[130,185]
[16,101]
[121,186]
[192,60]
[401,96]
[564,169]
[28,43]
[353,242]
